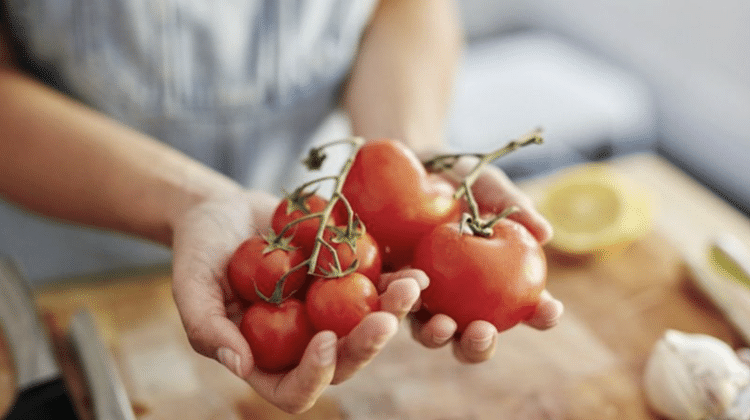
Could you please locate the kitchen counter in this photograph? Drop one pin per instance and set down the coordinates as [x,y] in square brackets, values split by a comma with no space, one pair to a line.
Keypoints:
[588,367]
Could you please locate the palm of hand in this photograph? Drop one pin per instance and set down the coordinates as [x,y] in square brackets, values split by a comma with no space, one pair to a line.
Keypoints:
[204,239]
[493,192]
[208,233]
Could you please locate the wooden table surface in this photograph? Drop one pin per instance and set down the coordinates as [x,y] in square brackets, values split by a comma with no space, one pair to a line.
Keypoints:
[588,367]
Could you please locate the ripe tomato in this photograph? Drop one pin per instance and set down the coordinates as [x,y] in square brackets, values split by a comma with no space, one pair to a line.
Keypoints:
[366,252]
[277,334]
[254,266]
[339,304]
[296,206]
[397,199]
[496,279]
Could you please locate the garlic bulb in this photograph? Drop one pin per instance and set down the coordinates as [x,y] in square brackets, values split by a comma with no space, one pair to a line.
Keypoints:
[695,377]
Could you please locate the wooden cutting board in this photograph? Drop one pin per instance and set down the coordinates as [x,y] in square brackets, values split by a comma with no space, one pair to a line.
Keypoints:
[588,367]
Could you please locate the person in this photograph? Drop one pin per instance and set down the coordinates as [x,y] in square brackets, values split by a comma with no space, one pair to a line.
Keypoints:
[169,121]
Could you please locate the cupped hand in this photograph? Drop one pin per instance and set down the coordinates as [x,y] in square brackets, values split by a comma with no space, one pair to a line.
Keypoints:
[205,237]
[494,192]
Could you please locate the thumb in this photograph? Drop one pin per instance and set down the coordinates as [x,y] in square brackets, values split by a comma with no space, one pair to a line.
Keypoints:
[204,316]
[213,335]
[232,350]
[203,241]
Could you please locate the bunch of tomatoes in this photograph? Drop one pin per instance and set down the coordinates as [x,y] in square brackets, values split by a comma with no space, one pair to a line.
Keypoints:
[319,266]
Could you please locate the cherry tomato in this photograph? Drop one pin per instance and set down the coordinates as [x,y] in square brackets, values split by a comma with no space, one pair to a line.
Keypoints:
[277,334]
[399,202]
[297,206]
[496,279]
[253,266]
[339,304]
[366,252]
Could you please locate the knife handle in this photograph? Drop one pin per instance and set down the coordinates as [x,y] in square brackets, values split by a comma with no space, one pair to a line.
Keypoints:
[29,343]
[731,297]
[736,251]
[109,397]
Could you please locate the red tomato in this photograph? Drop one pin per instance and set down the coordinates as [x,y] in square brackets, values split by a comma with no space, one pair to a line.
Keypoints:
[366,253]
[496,279]
[397,199]
[339,304]
[293,208]
[253,266]
[277,334]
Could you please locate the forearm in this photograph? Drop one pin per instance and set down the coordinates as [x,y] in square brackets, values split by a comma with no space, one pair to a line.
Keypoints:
[64,160]
[402,81]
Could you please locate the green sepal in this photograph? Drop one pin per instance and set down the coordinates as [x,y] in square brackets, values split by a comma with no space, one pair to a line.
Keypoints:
[275,242]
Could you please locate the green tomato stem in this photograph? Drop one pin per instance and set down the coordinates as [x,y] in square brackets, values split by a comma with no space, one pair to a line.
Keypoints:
[534,137]
[471,201]
[445,162]
[356,143]
[278,292]
[303,186]
[289,225]
[505,213]
[336,262]
[314,161]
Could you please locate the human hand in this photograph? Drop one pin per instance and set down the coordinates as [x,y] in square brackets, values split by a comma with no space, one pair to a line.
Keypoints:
[494,192]
[205,237]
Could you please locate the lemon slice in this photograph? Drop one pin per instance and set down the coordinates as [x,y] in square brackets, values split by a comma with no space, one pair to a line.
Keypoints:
[595,211]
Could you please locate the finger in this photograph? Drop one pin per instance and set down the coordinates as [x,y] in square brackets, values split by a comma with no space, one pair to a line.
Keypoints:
[477,343]
[497,192]
[209,331]
[297,390]
[435,331]
[418,275]
[218,338]
[363,343]
[203,241]
[400,297]
[548,312]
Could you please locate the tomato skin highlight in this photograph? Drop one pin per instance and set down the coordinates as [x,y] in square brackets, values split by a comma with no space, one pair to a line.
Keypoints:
[339,304]
[277,334]
[399,202]
[497,279]
[249,267]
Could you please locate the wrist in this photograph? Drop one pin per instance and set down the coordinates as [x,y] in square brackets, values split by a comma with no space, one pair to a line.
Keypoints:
[197,185]
[425,141]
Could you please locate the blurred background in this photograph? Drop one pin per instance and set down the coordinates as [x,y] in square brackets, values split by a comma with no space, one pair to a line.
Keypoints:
[602,78]
[606,78]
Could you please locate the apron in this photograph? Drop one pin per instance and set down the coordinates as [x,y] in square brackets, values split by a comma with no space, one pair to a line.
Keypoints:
[238,85]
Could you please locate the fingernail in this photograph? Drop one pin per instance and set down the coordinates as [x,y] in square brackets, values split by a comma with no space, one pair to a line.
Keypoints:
[422,281]
[230,360]
[480,344]
[406,304]
[549,314]
[416,306]
[379,341]
[547,229]
[327,351]
[440,339]
[558,309]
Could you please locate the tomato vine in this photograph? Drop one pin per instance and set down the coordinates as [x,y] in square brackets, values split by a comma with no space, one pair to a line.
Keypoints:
[314,161]
[446,162]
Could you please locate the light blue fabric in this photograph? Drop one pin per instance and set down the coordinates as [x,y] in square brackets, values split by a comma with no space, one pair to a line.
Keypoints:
[239,85]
